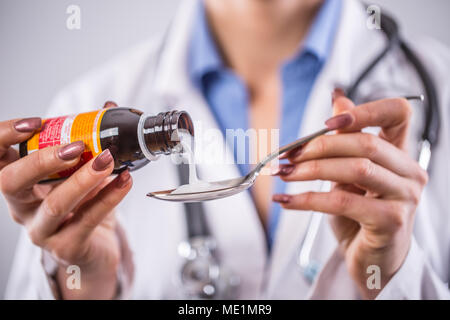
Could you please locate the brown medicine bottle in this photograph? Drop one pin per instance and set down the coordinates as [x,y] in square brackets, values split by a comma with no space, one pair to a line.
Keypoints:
[132,137]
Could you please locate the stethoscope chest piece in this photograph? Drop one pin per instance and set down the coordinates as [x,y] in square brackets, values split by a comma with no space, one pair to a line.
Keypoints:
[201,275]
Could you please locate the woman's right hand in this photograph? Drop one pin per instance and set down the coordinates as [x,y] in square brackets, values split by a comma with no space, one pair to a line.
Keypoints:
[73,220]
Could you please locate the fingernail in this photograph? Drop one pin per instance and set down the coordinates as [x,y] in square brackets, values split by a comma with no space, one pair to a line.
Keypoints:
[296,152]
[28,124]
[284,155]
[283,170]
[123,179]
[71,151]
[292,154]
[340,121]
[109,104]
[281,198]
[102,161]
[274,171]
[337,92]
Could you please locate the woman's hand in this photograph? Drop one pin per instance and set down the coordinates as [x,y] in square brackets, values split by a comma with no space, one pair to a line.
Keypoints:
[376,190]
[72,220]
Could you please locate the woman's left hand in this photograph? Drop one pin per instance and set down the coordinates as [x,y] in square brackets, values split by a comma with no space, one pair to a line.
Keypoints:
[376,185]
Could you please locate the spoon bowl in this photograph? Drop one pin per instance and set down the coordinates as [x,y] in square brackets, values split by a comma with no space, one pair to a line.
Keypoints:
[217,190]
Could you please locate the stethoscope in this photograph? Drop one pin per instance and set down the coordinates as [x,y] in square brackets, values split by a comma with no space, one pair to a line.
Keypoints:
[203,276]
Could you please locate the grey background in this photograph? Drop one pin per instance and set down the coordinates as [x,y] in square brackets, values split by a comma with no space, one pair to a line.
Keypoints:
[39,55]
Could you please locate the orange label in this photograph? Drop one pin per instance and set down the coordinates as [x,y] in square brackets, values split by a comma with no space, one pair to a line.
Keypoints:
[62,130]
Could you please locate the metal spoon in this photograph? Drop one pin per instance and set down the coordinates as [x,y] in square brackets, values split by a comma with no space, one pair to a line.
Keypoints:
[225,188]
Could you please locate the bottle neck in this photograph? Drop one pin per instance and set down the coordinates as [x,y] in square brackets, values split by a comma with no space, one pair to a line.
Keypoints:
[160,134]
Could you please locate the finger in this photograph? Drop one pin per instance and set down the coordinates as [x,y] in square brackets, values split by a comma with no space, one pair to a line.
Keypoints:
[349,188]
[94,191]
[16,131]
[340,104]
[27,171]
[63,199]
[92,213]
[109,104]
[361,145]
[359,171]
[387,113]
[371,212]
[9,156]
[337,93]
[392,115]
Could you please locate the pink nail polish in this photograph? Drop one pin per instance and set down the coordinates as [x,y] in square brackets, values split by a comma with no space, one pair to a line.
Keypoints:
[340,121]
[284,155]
[109,104]
[337,92]
[286,169]
[283,170]
[281,198]
[102,161]
[293,153]
[123,179]
[28,124]
[71,151]
[296,152]
[275,171]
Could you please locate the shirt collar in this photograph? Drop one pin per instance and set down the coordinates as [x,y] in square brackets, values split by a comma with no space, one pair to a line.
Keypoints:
[204,56]
[320,36]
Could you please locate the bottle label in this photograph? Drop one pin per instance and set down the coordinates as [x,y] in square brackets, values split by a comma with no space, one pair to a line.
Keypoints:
[62,130]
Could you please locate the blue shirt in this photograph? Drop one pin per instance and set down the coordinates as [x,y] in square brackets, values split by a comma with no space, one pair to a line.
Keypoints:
[227,94]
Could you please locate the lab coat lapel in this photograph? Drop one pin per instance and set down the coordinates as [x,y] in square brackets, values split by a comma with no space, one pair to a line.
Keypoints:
[233,221]
[344,63]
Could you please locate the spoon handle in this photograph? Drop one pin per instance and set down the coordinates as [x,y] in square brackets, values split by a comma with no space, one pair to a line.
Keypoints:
[289,147]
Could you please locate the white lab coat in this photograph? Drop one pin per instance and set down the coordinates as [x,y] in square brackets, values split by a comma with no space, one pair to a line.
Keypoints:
[150,78]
